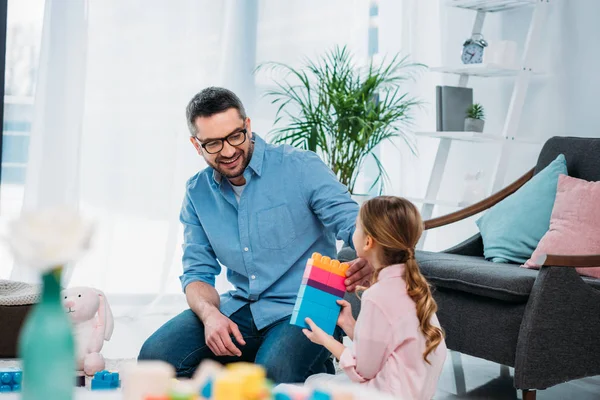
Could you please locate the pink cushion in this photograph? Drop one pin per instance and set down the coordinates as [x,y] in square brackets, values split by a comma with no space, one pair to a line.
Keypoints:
[575,223]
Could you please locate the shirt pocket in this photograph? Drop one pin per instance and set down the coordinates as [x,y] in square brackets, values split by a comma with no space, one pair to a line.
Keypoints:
[275,227]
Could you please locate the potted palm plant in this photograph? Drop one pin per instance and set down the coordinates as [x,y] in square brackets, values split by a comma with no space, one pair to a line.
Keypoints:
[343,112]
[475,119]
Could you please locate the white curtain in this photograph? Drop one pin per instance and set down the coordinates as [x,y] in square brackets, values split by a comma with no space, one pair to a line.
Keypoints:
[110,135]
[412,28]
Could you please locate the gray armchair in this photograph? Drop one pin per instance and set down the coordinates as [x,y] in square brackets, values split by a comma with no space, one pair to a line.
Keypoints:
[543,323]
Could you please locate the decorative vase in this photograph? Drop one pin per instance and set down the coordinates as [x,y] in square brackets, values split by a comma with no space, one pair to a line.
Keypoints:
[46,346]
[474,125]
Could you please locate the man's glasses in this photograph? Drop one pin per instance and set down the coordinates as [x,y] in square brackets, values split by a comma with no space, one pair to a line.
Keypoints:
[216,145]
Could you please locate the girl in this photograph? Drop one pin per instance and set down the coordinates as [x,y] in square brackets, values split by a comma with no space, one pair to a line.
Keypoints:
[399,347]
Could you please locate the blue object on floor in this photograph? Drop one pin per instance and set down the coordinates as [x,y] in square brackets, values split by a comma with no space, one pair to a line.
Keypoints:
[10,380]
[105,380]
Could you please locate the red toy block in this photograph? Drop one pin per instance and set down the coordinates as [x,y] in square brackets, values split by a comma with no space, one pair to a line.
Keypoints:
[316,274]
[337,282]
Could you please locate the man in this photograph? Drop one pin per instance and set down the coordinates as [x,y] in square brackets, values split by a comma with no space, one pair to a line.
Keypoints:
[261,211]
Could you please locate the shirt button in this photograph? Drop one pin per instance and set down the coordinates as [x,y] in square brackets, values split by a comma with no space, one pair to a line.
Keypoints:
[253,277]
[246,249]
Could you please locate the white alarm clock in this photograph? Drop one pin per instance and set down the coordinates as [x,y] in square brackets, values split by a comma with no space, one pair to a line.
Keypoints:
[473,50]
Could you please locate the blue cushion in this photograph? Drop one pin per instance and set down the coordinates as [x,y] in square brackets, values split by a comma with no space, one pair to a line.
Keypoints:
[512,229]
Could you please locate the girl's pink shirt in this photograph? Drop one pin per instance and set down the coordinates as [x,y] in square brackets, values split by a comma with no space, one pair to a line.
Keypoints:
[388,344]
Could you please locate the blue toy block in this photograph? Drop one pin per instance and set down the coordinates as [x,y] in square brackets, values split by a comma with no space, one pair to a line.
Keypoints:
[282,396]
[320,395]
[206,391]
[104,380]
[10,380]
[325,318]
[317,305]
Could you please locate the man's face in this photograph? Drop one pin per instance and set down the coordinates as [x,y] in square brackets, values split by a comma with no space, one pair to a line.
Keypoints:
[231,160]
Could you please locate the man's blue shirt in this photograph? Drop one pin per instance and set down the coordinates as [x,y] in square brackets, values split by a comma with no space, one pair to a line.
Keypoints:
[292,205]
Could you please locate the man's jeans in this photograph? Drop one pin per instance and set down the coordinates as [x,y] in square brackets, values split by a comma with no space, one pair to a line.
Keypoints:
[287,355]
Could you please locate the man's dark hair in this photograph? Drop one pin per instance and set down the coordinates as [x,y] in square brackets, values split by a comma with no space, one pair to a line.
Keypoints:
[211,101]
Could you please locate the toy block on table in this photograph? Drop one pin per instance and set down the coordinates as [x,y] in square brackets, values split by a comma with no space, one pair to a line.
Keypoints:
[322,286]
[10,380]
[240,381]
[105,380]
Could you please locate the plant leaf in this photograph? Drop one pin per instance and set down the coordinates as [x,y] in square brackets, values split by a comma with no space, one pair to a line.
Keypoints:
[343,111]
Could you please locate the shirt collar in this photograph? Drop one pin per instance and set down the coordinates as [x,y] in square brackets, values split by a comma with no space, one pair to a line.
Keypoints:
[393,271]
[256,162]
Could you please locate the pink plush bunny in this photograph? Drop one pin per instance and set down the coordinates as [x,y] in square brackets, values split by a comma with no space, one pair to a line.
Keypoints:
[93,324]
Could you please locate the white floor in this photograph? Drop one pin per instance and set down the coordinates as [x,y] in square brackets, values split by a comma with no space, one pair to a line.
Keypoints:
[482,378]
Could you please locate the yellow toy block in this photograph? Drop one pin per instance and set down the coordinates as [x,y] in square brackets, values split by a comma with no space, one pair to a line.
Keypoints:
[228,386]
[329,265]
[339,268]
[253,377]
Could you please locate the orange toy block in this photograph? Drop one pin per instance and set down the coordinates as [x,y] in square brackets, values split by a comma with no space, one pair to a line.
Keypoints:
[324,270]
[327,264]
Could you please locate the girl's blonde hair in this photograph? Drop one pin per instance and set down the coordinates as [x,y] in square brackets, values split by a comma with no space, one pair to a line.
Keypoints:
[395,224]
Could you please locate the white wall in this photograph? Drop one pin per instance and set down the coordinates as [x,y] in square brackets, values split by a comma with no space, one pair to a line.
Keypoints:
[579,33]
[562,103]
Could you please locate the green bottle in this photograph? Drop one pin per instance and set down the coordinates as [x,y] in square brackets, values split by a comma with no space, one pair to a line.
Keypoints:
[46,346]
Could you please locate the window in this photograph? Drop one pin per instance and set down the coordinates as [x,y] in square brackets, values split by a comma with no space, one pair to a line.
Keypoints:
[23,39]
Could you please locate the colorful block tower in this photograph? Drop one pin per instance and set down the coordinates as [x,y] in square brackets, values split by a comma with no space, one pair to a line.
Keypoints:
[322,286]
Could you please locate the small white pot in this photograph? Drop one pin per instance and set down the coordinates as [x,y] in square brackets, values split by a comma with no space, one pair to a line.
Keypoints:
[474,125]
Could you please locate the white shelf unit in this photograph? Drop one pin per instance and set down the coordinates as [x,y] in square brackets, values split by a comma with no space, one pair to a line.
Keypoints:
[522,75]
[480,70]
[490,5]
[475,137]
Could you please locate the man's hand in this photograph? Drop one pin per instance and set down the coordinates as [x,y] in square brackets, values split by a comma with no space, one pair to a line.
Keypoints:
[217,333]
[359,274]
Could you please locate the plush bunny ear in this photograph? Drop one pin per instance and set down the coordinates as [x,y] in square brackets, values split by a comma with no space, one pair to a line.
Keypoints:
[109,322]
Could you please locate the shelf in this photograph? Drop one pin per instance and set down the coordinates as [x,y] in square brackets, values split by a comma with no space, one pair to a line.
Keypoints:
[463,136]
[473,137]
[490,5]
[482,70]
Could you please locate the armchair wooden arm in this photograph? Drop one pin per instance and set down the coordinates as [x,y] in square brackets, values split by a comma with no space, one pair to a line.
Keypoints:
[554,260]
[480,206]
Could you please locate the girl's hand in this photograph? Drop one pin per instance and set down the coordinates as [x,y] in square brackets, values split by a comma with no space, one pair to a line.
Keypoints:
[346,321]
[316,334]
